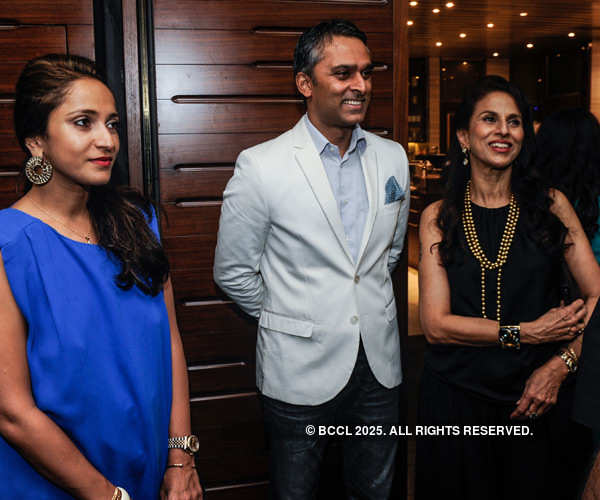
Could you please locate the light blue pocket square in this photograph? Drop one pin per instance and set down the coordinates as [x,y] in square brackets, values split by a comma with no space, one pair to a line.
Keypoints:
[393,191]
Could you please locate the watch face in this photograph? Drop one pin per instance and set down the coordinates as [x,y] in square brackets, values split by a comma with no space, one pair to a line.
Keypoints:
[193,444]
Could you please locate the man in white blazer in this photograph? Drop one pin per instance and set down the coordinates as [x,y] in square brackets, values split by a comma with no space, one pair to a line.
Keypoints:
[312,225]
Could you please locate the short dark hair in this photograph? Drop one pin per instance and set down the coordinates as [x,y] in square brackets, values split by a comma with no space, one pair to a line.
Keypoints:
[309,49]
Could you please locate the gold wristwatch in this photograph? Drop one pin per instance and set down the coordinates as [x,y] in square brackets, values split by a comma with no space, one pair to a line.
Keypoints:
[189,444]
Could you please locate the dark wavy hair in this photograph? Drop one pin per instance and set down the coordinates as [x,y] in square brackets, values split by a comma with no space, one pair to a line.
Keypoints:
[533,197]
[568,145]
[119,214]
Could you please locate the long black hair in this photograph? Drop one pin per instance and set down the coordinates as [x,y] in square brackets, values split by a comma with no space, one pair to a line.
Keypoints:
[533,198]
[119,214]
[568,145]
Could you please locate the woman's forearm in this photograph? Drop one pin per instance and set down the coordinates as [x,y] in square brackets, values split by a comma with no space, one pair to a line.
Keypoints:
[41,442]
[179,424]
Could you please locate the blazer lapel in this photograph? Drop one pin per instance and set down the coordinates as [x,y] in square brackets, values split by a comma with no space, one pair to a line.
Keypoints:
[310,163]
[368,161]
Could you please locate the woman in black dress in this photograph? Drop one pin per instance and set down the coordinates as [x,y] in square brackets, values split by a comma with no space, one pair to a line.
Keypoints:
[501,346]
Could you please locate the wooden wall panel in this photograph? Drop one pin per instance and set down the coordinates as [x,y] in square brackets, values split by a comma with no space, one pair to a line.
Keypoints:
[56,12]
[240,47]
[231,438]
[176,118]
[10,75]
[248,14]
[6,117]
[80,40]
[26,42]
[252,79]
[12,156]
[193,182]
[185,149]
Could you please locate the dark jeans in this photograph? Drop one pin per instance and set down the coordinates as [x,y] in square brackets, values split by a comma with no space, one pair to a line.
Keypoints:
[368,461]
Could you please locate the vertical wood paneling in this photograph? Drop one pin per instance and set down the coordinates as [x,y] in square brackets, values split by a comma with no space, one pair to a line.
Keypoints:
[433,101]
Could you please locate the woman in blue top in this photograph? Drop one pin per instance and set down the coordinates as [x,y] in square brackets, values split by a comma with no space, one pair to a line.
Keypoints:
[93,378]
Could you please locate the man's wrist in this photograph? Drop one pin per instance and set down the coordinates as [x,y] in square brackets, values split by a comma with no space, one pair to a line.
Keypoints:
[177,455]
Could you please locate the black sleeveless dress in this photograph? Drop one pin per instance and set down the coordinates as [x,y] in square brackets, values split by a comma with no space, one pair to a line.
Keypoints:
[464,386]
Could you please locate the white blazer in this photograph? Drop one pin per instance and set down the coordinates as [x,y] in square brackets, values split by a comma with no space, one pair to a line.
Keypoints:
[282,257]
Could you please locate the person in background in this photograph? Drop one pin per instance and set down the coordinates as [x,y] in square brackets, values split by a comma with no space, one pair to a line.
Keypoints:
[501,349]
[569,159]
[312,225]
[93,387]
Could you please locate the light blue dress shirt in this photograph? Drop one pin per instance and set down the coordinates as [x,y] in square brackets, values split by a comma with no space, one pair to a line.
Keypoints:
[347,182]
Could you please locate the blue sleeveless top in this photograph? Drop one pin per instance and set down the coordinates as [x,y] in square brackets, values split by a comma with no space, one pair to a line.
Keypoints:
[99,359]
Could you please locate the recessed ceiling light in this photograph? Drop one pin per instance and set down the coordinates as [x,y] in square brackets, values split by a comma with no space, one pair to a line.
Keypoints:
[463,35]
[438,44]
[490,25]
[410,23]
[529,45]
[495,54]
[464,63]
[450,5]
[571,35]
[413,4]
[436,11]
[523,14]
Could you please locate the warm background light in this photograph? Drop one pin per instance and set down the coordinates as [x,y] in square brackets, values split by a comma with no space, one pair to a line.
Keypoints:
[410,23]
[436,11]
[523,14]
[438,44]
[571,35]
[490,25]
[529,45]
[450,5]
[463,35]
[495,54]
[413,3]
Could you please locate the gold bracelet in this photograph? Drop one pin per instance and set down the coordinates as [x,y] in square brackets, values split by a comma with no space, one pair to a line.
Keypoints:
[573,355]
[179,466]
[117,495]
[568,360]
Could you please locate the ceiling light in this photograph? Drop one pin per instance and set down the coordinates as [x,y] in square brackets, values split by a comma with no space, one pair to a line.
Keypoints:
[436,11]
[410,23]
[413,4]
[490,25]
[464,63]
[417,77]
[529,45]
[571,35]
[450,5]
[463,35]
[443,69]
[523,14]
[438,44]
[495,54]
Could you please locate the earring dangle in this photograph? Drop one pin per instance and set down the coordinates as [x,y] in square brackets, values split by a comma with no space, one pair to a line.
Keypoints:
[465,151]
[37,170]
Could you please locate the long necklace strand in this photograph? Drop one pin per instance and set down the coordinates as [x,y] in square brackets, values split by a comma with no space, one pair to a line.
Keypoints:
[476,250]
[86,237]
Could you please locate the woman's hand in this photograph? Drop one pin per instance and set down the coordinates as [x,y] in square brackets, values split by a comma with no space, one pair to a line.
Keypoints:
[541,389]
[559,323]
[181,483]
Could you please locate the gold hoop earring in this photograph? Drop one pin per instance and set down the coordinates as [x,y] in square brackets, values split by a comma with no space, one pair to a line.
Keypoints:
[465,152]
[38,171]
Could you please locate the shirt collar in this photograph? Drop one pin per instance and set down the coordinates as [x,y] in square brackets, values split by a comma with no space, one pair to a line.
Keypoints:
[321,142]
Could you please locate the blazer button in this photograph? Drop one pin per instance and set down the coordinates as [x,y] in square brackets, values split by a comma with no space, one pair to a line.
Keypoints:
[356,279]
[354,320]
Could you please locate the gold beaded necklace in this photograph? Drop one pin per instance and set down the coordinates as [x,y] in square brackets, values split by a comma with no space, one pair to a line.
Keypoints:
[476,250]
